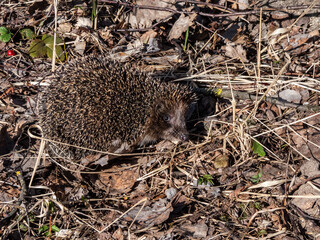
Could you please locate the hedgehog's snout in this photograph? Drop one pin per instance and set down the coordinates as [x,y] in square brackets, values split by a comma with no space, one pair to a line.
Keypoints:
[175,129]
[184,137]
[178,137]
[177,132]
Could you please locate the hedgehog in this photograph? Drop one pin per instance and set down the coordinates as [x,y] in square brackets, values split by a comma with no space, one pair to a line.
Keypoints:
[104,105]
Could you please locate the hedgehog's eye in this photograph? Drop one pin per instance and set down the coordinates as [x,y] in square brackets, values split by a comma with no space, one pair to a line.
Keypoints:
[166,118]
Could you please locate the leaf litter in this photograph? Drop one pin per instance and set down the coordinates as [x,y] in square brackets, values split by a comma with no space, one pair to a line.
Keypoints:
[251,167]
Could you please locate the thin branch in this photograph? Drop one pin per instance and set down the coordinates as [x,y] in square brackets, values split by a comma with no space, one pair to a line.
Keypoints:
[244,96]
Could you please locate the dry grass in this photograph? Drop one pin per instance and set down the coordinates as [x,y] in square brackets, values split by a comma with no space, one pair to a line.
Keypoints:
[157,191]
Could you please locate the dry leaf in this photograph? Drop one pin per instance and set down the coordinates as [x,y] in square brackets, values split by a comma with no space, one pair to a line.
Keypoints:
[143,18]
[236,52]
[145,38]
[65,27]
[79,46]
[243,4]
[155,214]
[308,205]
[181,25]
[83,22]
[120,181]
[198,230]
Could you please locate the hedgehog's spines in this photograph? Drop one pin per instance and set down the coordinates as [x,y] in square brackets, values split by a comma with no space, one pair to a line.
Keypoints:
[96,101]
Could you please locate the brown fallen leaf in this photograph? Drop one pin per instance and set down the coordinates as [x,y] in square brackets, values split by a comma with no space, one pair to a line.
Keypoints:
[308,205]
[181,25]
[148,35]
[199,230]
[148,216]
[236,52]
[120,181]
[118,234]
[64,27]
[143,18]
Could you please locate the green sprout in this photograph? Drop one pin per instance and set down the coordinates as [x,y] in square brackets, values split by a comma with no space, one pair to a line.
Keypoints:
[258,149]
[257,178]
[5,34]
[206,179]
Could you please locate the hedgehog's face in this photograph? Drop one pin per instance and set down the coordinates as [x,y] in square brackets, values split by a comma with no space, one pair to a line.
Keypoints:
[168,122]
[173,124]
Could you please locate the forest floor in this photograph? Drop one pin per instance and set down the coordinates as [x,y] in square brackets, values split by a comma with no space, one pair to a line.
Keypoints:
[251,167]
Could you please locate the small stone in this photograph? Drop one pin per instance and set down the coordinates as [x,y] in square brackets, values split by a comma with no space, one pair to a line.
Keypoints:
[290,96]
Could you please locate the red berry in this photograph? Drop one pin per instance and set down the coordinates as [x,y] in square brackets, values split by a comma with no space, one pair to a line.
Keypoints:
[11,53]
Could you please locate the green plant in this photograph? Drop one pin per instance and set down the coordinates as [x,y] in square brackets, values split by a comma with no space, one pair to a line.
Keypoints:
[243,214]
[94,9]
[44,229]
[44,46]
[23,227]
[31,217]
[256,178]
[5,34]
[258,149]
[51,207]
[27,33]
[223,218]
[206,179]
[258,205]
[262,232]
[83,198]
[186,40]
[54,228]
[94,13]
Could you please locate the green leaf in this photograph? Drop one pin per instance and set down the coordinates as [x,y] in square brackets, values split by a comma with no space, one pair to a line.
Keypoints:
[94,9]
[5,34]
[206,179]
[186,40]
[223,218]
[44,46]
[258,205]
[59,52]
[48,40]
[31,217]
[51,206]
[43,228]
[27,33]
[5,38]
[37,48]
[4,30]
[23,227]
[262,232]
[256,178]
[258,149]
[54,228]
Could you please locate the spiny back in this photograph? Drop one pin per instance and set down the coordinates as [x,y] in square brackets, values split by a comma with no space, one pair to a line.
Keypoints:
[96,101]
